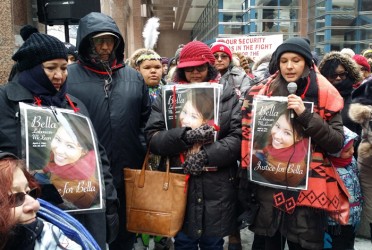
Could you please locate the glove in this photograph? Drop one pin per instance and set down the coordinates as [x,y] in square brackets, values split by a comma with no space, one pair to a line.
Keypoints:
[203,134]
[112,221]
[194,163]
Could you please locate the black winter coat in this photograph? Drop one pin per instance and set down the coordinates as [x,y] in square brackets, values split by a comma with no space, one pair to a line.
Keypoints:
[211,195]
[10,141]
[119,109]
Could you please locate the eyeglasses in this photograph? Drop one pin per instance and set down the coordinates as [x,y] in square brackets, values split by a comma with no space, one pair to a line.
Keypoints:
[200,68]
[223,56]
[102,40]
[341,75]
[17,199]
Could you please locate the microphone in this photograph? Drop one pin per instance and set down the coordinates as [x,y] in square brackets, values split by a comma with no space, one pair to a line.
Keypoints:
[291,87]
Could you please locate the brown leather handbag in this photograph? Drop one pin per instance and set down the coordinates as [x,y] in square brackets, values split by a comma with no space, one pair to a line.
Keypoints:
[155,200]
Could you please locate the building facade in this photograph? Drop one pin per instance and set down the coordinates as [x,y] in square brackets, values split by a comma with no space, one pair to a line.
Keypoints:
[329,24]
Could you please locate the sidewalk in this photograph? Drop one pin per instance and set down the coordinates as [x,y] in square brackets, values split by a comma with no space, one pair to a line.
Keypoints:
[247,239]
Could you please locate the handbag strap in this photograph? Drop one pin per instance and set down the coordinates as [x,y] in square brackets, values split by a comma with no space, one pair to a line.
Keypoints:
[166,176]
[141,179]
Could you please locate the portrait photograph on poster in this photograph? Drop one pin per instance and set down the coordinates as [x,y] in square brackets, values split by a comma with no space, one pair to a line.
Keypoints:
[191,105]
[280,151]
[61,153]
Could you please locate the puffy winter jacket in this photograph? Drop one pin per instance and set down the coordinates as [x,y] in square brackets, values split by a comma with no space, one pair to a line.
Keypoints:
[211,195]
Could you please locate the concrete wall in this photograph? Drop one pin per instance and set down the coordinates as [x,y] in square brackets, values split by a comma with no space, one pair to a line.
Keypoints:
[7,40]
[169,40]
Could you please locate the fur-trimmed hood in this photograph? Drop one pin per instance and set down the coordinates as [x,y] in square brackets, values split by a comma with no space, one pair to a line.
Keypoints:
[350,65]
[362,114]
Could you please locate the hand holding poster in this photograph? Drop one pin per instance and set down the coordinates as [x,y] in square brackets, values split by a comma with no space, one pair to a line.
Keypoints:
[61,152]
[280,152]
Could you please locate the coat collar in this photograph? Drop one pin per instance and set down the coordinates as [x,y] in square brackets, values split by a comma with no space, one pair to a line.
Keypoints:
[17,93]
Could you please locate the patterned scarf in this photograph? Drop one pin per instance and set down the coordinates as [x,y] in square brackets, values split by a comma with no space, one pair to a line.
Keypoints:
[324,184]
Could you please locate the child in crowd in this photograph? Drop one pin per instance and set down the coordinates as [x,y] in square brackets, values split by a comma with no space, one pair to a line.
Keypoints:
[343,236]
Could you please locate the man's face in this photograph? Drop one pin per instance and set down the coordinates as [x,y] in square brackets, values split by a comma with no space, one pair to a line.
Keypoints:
[104,46]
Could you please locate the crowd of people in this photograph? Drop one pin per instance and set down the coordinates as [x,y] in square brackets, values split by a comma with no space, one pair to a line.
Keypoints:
[122,102]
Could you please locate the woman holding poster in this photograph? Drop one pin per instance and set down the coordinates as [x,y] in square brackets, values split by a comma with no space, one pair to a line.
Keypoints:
[39,83]
[205,223]
[298,217]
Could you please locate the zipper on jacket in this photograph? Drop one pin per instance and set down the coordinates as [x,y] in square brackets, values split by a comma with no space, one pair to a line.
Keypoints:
[107,88]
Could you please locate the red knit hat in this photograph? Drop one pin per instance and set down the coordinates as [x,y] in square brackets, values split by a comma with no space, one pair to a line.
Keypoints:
[221,47]
[362,61]
[195,53]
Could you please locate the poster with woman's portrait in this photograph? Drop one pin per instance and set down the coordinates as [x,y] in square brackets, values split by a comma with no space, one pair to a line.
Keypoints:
[280,151]
[191,105]
[60,150]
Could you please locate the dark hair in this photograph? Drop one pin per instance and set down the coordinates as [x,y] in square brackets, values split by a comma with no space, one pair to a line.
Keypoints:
[329,67]
[202,101]
[78,126]
[296,126]
[181,77]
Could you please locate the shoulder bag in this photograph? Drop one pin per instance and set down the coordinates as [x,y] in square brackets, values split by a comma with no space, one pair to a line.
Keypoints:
[155,200]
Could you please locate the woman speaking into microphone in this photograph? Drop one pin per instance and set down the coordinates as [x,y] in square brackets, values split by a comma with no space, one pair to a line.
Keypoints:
[282,214]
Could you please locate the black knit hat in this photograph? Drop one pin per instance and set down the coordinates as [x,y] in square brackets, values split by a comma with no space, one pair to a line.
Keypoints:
[298,45]
[37,49]
[363,94]
[71,50]
[27,30]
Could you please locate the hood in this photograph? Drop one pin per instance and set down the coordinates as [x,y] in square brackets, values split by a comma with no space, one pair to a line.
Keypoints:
[92,24]
[348,136]
[264,59]
[350,65]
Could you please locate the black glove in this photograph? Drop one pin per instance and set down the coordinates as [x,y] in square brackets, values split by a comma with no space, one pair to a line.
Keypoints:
[112,221]
[194,163]
[203,134]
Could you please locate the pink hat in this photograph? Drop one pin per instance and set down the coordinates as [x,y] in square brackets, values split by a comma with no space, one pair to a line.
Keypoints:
[221,47]
[362,61]
[195,53]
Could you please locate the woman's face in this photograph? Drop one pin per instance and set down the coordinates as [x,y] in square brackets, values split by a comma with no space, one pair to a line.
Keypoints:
[56,71]
[338,76]
[26,212]
[292,66]
[190,117]
[222,61]
[65,148]
[151,71]
[282,134]
[196,74]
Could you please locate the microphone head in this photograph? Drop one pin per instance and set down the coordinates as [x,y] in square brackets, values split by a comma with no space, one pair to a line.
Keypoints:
[292,87]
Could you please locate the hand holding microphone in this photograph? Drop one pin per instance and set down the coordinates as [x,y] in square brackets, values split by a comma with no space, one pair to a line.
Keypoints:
[295,103]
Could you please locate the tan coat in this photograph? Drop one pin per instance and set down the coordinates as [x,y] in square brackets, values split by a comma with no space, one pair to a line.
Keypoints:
[362,114]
